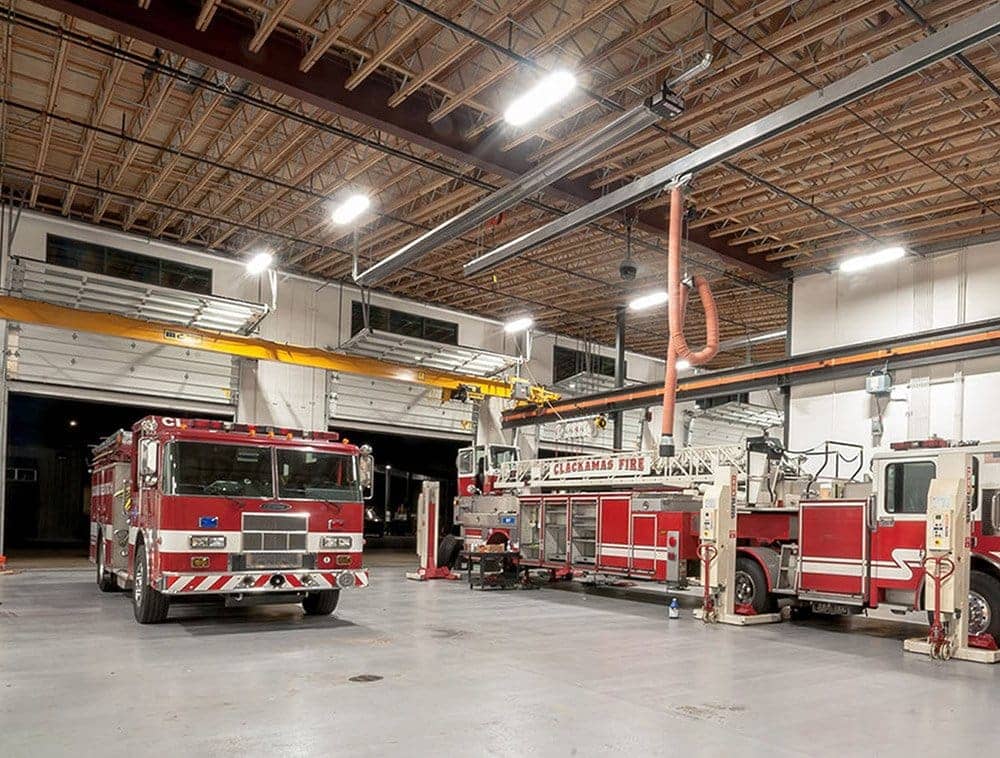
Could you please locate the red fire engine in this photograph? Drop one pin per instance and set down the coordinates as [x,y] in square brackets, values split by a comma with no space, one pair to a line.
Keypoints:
[184,508]
[478,467]
[834,545]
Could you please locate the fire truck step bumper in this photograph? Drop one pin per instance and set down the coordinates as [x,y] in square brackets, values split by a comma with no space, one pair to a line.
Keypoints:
[267,581]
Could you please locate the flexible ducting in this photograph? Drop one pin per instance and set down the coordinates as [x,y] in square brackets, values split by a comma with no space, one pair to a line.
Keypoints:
[677,348]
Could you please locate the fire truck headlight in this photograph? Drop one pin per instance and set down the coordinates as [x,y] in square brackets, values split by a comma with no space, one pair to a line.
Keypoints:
[334,542]
[201,543]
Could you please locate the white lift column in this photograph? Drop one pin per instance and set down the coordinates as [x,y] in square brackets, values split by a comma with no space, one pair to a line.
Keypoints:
[428,519]
[718,553]
[947,562]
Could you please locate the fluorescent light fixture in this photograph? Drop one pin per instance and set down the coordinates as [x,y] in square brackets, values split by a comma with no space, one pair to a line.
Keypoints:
[519,324]
[350,209]
[683,364]
[546,93]
[643,302]
[260,262]
[879,257]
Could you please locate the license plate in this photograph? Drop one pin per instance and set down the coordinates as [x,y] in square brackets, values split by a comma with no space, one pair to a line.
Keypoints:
[273,561]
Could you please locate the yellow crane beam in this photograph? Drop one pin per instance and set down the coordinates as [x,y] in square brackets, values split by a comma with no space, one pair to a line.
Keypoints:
[113,325]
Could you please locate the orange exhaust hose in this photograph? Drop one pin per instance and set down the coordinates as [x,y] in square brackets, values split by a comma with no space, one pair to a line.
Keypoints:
[676,303]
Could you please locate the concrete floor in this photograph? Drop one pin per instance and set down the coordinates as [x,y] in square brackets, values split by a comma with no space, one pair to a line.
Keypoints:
[547,672]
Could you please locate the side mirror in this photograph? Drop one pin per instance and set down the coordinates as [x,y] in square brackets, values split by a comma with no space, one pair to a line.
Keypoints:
[366,473]
[149,461]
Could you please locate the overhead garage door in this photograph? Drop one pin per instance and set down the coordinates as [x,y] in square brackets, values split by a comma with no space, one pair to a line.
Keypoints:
[46,356]
[551,436]
[381,404]
[81,364]
[732,423]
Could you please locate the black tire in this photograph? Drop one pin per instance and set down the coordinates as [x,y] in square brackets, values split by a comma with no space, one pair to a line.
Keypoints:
[321,603]
[984,589]
[988,590]
[149,606]
[105,579]
[448,550]
[751,585]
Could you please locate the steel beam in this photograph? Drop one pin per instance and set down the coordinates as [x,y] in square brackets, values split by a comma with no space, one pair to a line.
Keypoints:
[521,188]
[935,47]
[619,420]
[225,46]
[976,340]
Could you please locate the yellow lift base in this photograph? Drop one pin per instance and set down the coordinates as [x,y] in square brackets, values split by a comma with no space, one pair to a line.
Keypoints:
[97,322]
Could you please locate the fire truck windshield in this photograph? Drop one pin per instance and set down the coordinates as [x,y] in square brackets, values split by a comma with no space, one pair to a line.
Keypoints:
[198,468]
[312,475]
[501,455]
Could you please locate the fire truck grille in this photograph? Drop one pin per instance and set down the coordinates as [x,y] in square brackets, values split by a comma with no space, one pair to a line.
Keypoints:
[269,533]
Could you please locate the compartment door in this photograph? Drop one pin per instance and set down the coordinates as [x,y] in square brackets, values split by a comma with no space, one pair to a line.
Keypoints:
[833,548]
[613,546]
[643,560]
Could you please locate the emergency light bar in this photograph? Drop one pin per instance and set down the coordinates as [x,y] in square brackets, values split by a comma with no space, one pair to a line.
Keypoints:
[150,424]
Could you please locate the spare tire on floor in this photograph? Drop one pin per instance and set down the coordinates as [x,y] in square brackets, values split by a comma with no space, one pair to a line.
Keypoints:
[448,550]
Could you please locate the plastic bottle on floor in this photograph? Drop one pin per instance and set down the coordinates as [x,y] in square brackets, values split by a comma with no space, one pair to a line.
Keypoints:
[674,611]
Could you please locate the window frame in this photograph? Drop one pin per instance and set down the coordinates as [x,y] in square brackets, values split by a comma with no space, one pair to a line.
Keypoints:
[388,320]
[97,258]
[167,473]
[306,449]
[885,482]
[601,365]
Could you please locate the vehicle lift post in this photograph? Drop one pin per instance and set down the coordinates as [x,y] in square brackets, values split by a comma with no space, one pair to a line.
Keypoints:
[947,563]
[717,550]
[428,518]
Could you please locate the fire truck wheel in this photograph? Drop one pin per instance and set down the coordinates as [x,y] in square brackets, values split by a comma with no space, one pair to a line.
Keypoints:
[321,603]
[448,550]
[751,585]
[105,579]
[149,606]
[984,605]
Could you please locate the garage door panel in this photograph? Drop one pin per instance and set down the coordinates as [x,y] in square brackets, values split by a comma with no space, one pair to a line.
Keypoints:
[44,355]
[397,404]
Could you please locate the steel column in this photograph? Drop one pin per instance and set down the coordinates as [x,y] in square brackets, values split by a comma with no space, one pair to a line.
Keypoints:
[933,48]
[619,420]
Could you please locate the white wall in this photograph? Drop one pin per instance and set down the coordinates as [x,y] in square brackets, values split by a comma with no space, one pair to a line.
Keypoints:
[956,399]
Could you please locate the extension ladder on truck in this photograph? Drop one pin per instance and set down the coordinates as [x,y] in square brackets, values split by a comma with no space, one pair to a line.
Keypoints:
[690,466]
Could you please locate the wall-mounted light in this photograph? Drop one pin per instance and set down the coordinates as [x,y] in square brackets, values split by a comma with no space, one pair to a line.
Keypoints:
[546,93]
[352,207]
[648,300]
[878,258]
[259,262]
[519,324]
[683,364]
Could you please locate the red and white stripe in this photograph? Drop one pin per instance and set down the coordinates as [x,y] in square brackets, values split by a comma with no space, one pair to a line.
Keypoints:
[175,584]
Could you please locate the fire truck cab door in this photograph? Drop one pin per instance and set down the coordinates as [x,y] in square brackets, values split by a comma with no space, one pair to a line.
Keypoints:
[901,486]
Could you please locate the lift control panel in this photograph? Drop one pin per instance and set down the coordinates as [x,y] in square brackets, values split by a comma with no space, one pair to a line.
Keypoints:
[944,506]
[710,512]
